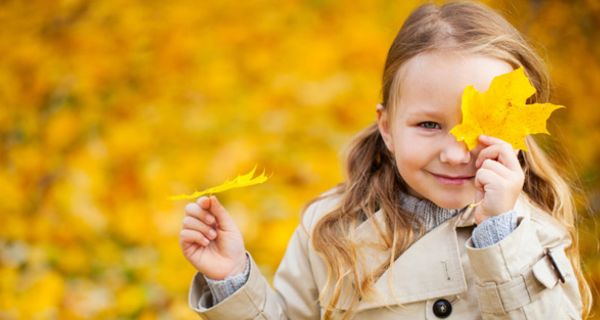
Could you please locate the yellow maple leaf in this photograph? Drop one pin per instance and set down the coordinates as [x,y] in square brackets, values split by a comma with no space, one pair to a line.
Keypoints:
[239,182]
[502,111]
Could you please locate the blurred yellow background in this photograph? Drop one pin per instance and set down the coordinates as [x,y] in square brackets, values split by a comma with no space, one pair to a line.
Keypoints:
[109,107]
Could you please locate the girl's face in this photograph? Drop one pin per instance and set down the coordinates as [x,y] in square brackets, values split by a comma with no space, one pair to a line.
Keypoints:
[430,160]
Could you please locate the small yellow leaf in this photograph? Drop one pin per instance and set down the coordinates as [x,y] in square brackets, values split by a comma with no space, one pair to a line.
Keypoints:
[239,182]
[502,112]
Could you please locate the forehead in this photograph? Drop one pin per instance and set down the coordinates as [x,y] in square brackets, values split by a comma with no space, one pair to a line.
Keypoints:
[433,82]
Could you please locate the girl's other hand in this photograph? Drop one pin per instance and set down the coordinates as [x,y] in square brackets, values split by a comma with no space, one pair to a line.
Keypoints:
[211,241]
[499,178]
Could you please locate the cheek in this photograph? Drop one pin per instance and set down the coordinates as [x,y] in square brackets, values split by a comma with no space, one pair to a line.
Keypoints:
[405,162]
[415,153]
[409,162]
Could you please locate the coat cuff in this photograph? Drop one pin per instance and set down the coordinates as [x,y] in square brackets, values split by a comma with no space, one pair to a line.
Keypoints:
[247,301]
[514,272]
[509,257]
[221,289]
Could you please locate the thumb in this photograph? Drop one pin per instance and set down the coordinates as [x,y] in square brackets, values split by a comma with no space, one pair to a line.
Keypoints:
[222,216]
[479,214]
[478,196]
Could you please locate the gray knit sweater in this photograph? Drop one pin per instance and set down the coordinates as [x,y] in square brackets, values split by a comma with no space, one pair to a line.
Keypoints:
[489,232]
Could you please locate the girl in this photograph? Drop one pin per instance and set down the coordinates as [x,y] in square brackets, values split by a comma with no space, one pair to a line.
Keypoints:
[399,240]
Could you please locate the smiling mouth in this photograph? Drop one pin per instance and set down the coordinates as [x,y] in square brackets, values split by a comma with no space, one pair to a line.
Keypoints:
[452,180]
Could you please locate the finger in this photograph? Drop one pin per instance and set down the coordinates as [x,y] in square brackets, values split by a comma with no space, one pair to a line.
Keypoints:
[195,224]
[502,152]
[194,210]
[221,214]
[478,196]
[203,202]
[192,236]
[498,168]
[484,177]
[489,140]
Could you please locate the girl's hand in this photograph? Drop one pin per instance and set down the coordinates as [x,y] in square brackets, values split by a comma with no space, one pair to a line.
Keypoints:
[499,178]
[211,241]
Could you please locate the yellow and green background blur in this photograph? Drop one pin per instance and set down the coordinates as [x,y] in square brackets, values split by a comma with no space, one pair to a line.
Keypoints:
[107,108]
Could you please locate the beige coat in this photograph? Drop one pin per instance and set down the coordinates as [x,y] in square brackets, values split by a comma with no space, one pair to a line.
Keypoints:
[512,279]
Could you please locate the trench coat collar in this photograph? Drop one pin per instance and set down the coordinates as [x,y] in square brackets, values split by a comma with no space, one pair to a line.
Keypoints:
[431,267]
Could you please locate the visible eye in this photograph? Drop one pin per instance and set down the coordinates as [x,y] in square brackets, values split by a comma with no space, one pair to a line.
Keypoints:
[429,125]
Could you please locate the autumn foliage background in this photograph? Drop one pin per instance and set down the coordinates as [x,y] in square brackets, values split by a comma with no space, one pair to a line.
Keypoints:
[109,107]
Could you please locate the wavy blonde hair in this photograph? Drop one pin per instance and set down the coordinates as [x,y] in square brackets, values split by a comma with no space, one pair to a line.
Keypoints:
[373,180]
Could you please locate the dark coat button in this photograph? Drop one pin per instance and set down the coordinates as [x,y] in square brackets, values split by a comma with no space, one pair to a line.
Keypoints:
[442,308]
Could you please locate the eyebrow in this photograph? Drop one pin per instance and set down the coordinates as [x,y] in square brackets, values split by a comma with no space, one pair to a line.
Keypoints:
[428,113]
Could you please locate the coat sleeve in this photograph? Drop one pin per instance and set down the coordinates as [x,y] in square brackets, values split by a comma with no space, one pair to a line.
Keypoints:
[294,294]
[527,275]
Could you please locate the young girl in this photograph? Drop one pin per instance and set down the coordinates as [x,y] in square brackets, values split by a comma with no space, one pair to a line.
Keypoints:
[399,239]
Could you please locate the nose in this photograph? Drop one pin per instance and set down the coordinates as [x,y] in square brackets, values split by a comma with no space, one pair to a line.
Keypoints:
[455,152]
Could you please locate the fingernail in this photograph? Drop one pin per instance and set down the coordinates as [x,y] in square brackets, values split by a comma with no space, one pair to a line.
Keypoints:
[212,233]
[202,202]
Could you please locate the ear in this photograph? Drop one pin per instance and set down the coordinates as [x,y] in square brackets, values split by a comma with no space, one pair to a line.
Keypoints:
[384,127]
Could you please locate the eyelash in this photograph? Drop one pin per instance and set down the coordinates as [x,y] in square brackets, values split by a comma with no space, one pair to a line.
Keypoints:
[421,124]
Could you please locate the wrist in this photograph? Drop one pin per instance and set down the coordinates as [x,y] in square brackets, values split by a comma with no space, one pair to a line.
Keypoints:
[486,213]
[239,268]
[480,218]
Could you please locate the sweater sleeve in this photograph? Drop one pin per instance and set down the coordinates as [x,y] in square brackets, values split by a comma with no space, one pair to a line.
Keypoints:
[222,289]
[494,229]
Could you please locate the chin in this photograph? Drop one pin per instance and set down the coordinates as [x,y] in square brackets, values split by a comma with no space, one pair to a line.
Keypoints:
[452,202]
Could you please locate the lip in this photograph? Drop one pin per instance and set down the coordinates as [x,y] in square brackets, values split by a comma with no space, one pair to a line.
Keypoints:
[452,180]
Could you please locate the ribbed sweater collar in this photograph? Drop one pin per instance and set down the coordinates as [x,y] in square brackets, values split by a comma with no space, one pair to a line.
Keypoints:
[430,214]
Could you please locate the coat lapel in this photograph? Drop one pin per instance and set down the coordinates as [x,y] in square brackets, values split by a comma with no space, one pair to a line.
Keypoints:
[429,268]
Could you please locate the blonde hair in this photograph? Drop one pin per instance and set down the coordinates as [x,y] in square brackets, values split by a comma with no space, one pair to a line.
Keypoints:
[373,180]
